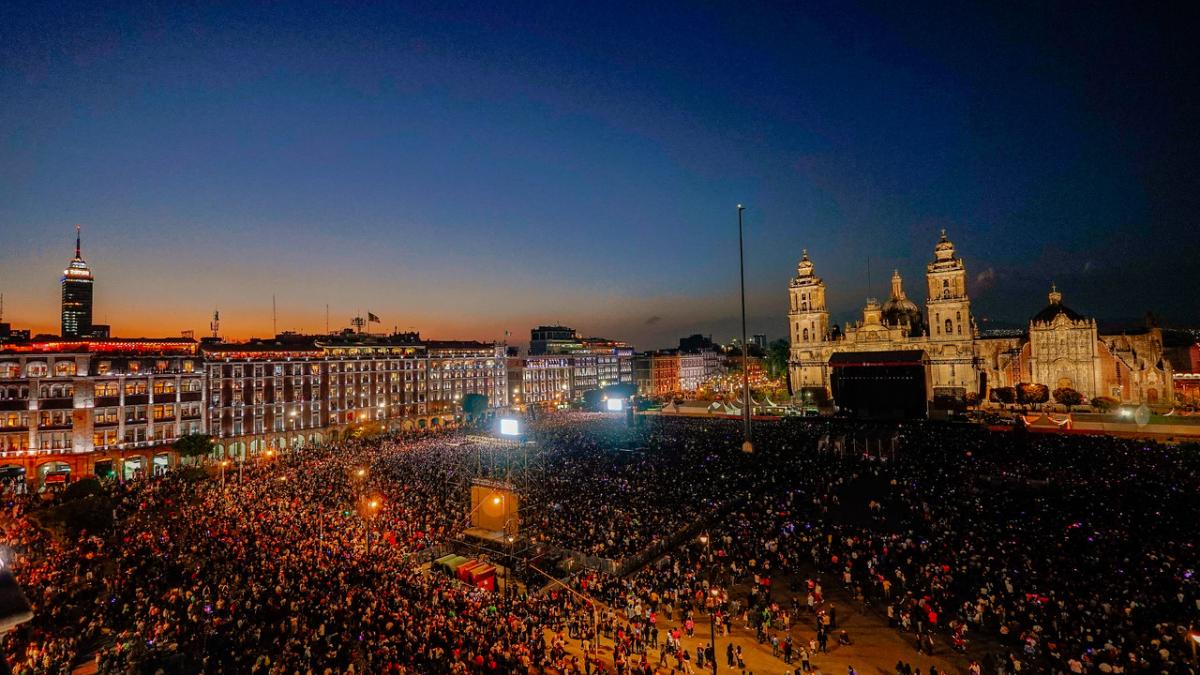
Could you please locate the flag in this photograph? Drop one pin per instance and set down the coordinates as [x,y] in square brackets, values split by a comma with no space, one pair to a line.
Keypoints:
[371,317]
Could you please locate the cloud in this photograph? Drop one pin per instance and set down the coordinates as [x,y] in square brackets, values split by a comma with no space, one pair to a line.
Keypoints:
[653,320]
[985,278]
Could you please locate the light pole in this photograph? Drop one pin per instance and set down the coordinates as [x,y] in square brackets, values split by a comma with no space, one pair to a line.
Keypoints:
[712,625]
[224,463]
[712,605]
[747,446]
[372,506]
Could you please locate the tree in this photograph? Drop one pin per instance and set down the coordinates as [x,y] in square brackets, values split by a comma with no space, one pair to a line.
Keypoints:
[1068,397]
[83,488]
[474,404]
[1003,395]
[1105,403]
[1032,393]
[623,390]
[593,399]
[778,353]
[194,445]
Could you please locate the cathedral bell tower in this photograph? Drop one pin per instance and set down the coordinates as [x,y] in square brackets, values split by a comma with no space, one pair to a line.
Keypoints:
[948,307]
[808,326]
[951,330]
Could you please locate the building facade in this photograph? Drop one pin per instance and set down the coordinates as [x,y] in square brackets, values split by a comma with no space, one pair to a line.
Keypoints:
[111,400]
[1060,348]
[115,406]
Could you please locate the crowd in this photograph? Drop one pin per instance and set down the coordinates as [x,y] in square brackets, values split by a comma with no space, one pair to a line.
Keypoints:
[1029,553]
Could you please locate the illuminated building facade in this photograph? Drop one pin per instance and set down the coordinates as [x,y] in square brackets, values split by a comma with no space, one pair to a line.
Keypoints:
[295,389]
[77,282]
[1060,348]
[112,400]
[543,380]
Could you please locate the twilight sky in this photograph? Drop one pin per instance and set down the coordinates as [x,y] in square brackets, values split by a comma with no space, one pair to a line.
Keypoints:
[466,170]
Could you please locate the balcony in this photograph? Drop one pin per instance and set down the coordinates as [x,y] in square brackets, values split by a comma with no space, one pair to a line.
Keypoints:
[14,404]
[61,403]
[107,401]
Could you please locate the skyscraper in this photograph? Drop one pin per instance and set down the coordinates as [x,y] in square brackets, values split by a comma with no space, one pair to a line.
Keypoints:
[77,296]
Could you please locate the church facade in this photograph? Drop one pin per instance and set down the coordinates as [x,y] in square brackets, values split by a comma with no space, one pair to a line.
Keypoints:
[1060,348]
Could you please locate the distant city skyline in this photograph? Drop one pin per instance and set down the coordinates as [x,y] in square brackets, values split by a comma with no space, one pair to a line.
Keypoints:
[244,320]
[473,170]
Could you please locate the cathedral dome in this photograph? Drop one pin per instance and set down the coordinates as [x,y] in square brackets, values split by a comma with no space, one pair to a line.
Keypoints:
[1055,308]
[900,311]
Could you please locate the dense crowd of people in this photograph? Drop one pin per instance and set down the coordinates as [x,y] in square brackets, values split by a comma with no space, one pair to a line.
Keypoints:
[1029,553]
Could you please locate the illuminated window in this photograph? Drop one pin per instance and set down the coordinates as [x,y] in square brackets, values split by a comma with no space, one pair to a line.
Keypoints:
[36,369]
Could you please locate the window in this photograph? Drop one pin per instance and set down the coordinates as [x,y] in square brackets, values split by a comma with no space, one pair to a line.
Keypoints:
[164,387]
[135,387]
[36,369]
[106,389]
[64,369]
[134,367]
[806,335]
[949,327]
[189,366]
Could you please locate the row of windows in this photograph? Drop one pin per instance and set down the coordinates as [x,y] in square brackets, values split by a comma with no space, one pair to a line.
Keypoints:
[69,368]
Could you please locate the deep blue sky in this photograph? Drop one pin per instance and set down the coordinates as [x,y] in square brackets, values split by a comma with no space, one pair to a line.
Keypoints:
[469,169]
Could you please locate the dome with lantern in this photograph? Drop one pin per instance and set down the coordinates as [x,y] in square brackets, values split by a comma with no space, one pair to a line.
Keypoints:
[900,311]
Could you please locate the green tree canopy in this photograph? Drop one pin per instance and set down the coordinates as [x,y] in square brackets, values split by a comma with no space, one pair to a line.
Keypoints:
[1030,393]
[474,404]
[1068,397]
[778,353]
[1003,395]
[194,445]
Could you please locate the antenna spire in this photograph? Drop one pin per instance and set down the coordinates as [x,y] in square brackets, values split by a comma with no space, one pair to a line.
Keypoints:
[77,240]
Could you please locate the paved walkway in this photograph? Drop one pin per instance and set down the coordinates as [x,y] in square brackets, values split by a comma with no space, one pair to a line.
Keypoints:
[874,650]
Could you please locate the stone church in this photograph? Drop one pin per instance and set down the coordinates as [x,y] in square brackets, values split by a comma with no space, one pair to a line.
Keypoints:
[1060,348]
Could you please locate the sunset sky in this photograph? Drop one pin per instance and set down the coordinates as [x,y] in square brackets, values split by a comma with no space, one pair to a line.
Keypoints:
[466,171]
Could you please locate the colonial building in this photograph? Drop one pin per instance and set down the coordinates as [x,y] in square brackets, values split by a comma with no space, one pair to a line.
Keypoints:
[1060,348]
[298,389]
[100,406]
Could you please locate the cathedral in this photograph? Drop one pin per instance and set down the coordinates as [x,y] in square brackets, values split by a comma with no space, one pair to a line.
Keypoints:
[1060,348]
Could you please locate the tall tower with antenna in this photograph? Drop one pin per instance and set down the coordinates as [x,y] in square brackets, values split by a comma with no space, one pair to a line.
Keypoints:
[77,281]
[215,324]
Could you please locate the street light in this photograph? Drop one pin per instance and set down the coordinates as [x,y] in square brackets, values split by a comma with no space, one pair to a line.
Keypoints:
[747,445]
[373,505]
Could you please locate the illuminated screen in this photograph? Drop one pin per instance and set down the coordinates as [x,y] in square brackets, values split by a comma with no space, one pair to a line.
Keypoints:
[616,404]
[510,427]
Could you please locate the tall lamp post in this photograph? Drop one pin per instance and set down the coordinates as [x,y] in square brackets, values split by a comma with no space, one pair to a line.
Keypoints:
[711,602]
[712,625]
[747,445]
